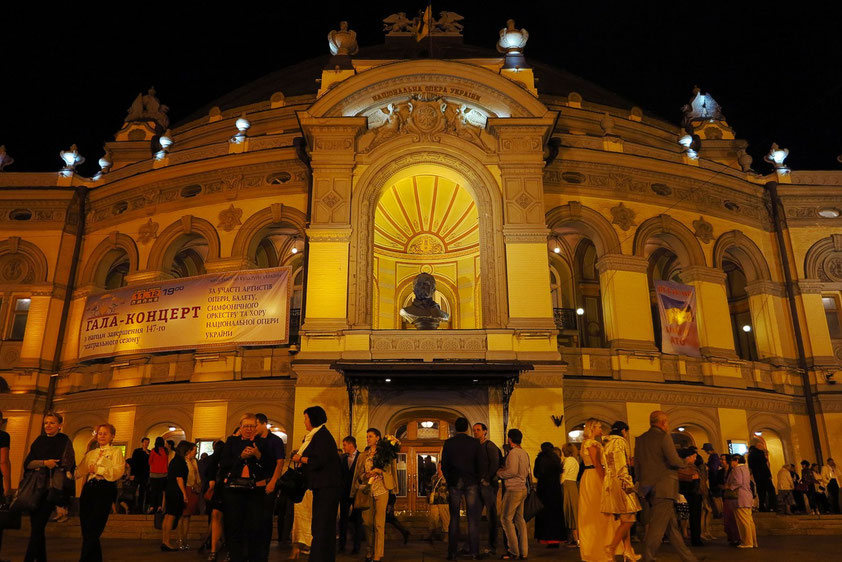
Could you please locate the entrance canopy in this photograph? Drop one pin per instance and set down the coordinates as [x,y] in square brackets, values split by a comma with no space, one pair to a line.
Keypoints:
[424,374]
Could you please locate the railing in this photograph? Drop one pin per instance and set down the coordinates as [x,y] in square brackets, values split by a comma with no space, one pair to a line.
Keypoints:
[565,318]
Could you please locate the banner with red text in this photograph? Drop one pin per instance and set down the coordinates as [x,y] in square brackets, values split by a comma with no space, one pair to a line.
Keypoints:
[218,309]
[677,309]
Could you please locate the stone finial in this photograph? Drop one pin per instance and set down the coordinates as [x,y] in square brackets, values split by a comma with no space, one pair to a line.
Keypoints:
[148,108]
[400,24]
[105,164]
[5,159]
[448,23]
[71,159]
[777,156]
[701,107]
[343,42]
[512,40]
[607,124]
[744,159]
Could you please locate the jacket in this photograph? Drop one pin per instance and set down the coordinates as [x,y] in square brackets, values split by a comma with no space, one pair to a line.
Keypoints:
[829,473]
[348,473]
[657,464]
[322,469]
[390,475]
[462,461]
[740,479]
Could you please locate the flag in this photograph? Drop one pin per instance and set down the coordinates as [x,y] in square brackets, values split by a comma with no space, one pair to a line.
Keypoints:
[424,24]
[677,310]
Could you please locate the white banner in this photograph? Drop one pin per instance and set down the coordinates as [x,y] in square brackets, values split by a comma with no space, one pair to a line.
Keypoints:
[218,309]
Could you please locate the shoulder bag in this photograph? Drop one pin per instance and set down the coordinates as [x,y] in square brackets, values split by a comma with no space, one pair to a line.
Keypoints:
[532,505]
[31,492]
[293,484]
[362,499]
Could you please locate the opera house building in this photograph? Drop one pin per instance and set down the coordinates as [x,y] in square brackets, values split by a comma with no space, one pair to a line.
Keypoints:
[584,258]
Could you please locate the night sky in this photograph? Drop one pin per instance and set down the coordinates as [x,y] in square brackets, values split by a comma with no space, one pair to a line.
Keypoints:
[69,74]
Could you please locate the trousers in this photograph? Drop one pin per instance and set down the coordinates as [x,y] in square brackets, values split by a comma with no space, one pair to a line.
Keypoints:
[347,514]
[375,526]
[471,495]
[662,519]
[514,526]
[94,508]
[488,495]
[745,523]
[36,550]
[323,526]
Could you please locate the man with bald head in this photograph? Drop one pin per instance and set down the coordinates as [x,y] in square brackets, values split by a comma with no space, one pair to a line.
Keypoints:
[656,465]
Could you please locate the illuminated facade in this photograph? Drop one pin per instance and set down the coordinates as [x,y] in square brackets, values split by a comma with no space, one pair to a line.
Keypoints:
[526,192]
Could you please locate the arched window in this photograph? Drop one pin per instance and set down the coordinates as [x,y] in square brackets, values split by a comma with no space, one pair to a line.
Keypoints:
[115,275]
[663,266]
[189,259]
[738,307]
[589,298]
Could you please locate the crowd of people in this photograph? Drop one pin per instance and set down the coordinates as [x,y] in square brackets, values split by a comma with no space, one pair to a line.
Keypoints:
[594,498]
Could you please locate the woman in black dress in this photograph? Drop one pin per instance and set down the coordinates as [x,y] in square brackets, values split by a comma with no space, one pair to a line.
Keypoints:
[549,523]
[175,497]
[52,453]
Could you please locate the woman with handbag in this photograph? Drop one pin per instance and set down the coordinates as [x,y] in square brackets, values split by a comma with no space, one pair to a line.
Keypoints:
[619,496]
[101,468]
[193,485]
[729,506]
[370,488]
[175,496]
[50,460]
[241,498]
[439,514]
[739,481]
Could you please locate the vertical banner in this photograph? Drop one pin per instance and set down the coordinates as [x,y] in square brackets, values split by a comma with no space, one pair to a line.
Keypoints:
[219,309]
[677,309]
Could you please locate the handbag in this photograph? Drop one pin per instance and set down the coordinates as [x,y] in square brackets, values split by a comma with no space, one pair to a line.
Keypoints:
[362,499]
[532,505]
[729,494]
[293,484]
[31,492]
[9,519]
[55,493]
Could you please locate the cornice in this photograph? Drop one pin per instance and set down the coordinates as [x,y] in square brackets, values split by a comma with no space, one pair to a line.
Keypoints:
[704,274]
[329,234]
[765,287]
[685,395]
[809,287]
[620,262]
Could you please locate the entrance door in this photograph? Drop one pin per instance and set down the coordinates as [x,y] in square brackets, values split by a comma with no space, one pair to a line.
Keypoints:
[416,468]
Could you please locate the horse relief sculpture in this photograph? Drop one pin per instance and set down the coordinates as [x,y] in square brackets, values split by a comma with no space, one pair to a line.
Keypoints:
[427,119]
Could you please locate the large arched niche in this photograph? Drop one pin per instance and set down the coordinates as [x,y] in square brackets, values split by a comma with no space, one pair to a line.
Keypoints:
[117,247]
[262,223]
[585,221]
[379,86]
[663,231]
[390,165]
[736,246]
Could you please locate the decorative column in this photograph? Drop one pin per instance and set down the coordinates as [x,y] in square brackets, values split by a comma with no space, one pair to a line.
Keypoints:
[713,317]
[521,142]
[817,343]
[770,322]
[332,151]
[626,307]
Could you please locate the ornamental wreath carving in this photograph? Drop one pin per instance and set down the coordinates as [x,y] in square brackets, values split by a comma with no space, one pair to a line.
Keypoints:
[427,118]
[623,217]
[704,230]
[147,232]
[230,218]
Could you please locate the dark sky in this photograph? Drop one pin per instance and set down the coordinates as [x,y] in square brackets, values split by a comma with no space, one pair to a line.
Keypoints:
[68,75]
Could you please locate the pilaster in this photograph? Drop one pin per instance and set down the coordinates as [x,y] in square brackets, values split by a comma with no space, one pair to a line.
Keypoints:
[713,318]
[626,305]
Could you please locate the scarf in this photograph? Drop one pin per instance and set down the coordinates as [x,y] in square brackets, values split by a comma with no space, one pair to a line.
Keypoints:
[308,438]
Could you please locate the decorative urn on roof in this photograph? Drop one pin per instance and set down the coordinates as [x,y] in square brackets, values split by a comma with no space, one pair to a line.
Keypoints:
[512,42]
[343,42]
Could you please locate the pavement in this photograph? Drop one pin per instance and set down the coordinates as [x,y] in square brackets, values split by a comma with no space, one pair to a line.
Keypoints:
[803,548]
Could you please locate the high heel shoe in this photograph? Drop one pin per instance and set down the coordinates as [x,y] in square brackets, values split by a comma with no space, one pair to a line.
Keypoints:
[633,557]
[165,548]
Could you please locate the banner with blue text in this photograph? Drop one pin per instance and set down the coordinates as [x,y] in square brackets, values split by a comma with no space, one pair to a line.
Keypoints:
[214,310]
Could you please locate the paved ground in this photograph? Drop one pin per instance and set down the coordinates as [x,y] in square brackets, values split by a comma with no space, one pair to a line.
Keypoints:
[802,548]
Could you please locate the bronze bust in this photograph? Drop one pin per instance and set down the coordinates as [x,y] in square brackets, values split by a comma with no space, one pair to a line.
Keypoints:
[424,313]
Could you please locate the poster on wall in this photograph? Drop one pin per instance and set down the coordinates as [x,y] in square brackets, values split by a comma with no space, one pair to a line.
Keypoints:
[677,309]
[218,309]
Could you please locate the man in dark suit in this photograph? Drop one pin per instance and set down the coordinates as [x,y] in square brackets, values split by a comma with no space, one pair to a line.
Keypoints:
[656,465]
[348,463]
[324,477]
[462,463]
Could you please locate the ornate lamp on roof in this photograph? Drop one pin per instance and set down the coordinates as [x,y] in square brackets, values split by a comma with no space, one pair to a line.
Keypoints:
[511,43]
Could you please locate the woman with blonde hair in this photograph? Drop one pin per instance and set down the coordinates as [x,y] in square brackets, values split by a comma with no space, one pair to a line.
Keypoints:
[619,496]
[380,483]
[101,467]
[595,527]
[570,490]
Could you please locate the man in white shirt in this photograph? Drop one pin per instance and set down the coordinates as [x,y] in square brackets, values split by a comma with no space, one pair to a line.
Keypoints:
[515,473]
[830,481]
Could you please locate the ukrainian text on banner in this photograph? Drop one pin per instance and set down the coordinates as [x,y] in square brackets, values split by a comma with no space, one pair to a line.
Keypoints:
[218,309]
[677,310]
